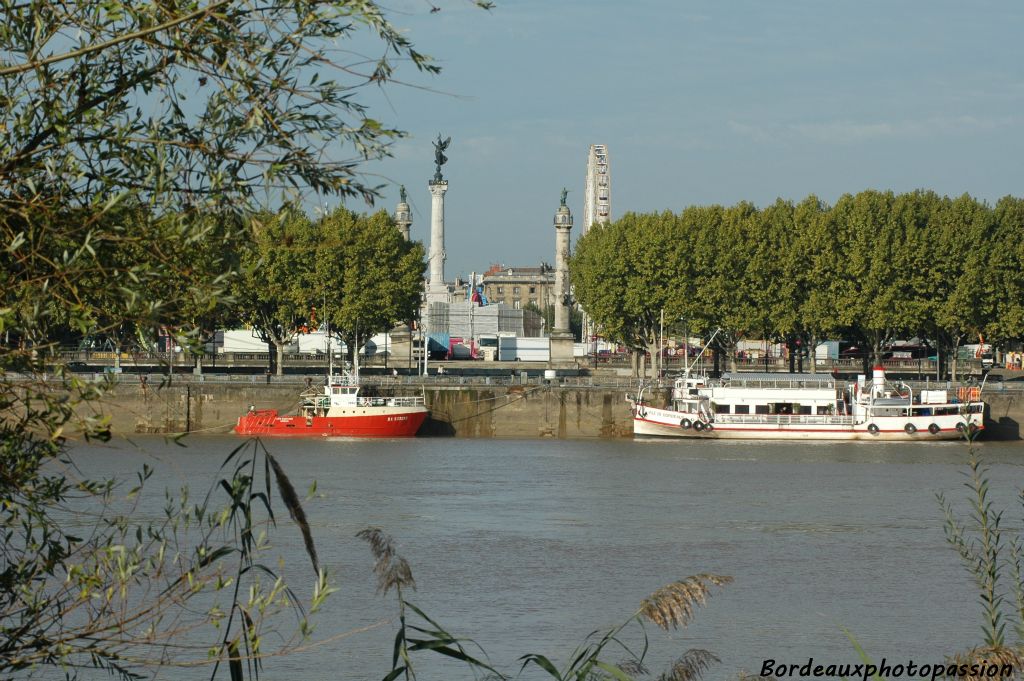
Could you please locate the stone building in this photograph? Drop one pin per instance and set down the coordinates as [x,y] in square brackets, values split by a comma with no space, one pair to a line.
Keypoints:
[517,287]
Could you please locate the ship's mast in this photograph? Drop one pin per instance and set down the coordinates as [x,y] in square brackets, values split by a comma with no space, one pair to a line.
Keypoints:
[330,355]
[697,358]
[355,356]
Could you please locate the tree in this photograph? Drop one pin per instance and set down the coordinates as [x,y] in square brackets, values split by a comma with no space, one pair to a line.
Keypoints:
[194,112]
[372,277]
[724,240]
[275,291]
[1002,256]
[776,278]
[799,261]
[959,302]
[369,275]
[629,271]
[875,268]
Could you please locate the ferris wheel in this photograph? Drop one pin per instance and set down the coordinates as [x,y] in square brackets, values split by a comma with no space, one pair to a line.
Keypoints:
[598,193]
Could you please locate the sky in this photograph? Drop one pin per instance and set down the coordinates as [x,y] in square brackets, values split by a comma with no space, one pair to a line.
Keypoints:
[699,103]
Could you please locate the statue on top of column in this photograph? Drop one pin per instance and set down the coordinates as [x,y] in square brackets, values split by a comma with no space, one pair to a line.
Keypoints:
[439,158]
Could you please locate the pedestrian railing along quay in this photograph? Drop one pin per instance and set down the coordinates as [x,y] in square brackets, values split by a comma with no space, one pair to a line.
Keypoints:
[994,384]
[403,381]
[310,361]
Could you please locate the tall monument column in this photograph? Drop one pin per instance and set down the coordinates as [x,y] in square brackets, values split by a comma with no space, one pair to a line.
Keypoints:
[399,343]
[437,255]
[437,288]
[403,216]
[561,335]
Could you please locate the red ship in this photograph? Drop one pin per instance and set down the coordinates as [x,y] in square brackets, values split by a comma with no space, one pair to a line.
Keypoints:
[340,412]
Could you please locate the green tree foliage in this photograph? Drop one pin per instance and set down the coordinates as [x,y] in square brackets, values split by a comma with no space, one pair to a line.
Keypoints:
[372,277]
[359,265]
[274,291]
[875,267]
[958,249]
[877,294]
[624,277]
[1002,269]
[725,283]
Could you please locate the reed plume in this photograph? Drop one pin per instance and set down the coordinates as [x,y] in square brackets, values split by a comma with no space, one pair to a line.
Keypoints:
[633,667]
[990,656]
[673,606]
[298,515]
[391,569]
[691,666]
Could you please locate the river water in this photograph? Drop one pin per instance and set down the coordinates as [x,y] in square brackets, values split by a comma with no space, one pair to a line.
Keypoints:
[527,546]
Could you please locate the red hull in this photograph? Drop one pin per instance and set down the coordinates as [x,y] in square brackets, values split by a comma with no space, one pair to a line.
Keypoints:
[267,422]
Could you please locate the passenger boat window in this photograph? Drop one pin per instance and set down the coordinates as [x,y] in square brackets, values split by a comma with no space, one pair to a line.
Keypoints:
[760,408]
[742,408]
[722,408]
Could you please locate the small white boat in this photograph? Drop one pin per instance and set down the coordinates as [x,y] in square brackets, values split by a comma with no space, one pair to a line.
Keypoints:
[780,406]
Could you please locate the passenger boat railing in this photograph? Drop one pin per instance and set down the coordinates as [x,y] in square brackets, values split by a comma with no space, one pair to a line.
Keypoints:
[786,419]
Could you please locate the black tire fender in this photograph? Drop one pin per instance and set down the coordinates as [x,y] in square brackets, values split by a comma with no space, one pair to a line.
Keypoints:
[934,429]
[873,428]
[685,424]
[910,429]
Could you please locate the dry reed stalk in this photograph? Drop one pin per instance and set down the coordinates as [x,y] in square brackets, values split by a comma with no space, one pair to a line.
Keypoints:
[990,656]
[691,666]
[673,606]
[391,569]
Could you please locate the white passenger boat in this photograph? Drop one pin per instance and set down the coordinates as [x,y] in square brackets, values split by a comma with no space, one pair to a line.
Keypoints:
[779,406]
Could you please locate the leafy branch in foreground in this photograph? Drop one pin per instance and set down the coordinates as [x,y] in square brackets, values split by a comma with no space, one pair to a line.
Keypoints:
[130,596]
[671,607]
[995,568]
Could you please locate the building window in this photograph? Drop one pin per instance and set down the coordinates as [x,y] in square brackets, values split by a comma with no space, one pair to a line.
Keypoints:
[533,289]
[533,301]
[515,289]
[500,290]
[515,303]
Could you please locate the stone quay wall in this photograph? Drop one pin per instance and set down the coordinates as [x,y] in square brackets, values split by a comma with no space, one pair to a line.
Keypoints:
[472,411]
[516,411]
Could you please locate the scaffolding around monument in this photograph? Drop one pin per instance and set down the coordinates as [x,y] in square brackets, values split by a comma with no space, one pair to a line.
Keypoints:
[467,320]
